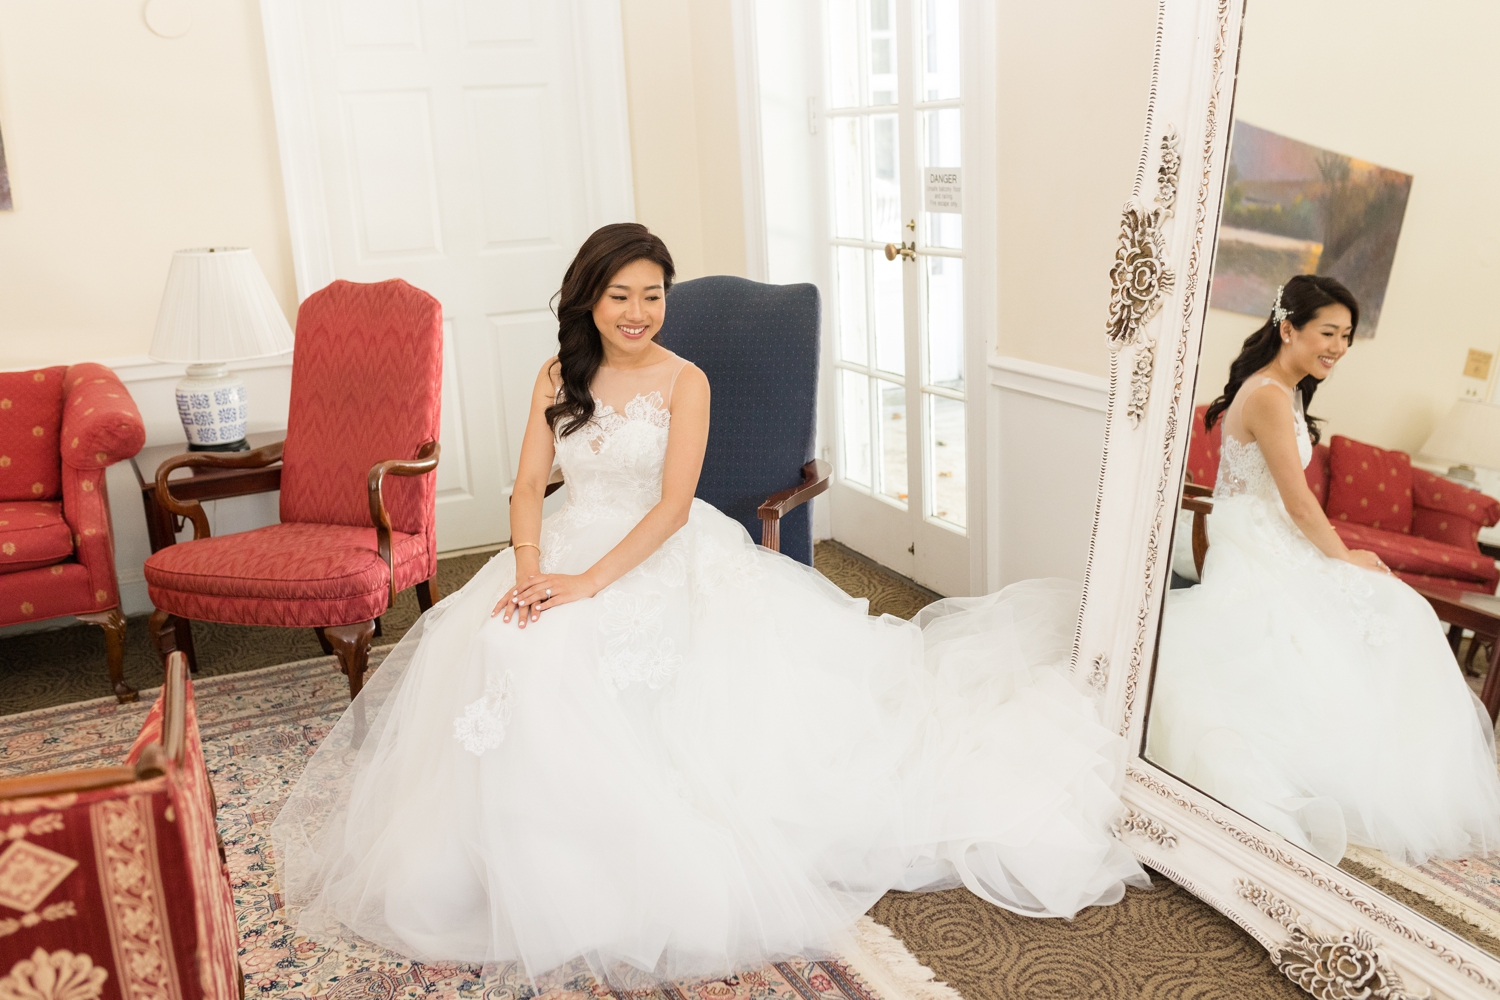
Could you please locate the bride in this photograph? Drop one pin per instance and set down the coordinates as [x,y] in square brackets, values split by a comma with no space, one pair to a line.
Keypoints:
[1302,683]
[639,741]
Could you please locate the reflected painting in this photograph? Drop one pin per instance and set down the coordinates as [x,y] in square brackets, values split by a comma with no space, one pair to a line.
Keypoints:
[1292,208]
[5,203]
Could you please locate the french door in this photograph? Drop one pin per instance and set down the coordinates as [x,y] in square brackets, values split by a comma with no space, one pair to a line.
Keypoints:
[895,116]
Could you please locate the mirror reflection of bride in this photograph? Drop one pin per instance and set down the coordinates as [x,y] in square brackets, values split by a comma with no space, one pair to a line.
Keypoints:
[1302,683]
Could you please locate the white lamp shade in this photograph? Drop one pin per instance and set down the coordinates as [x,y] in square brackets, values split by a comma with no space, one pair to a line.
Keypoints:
[218,307]
[1469,435]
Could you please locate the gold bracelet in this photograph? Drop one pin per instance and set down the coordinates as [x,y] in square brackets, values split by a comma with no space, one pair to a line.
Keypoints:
[522,545]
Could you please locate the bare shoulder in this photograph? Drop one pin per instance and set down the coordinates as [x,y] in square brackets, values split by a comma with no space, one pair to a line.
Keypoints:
[692,381]
[1268,406]
[550,375]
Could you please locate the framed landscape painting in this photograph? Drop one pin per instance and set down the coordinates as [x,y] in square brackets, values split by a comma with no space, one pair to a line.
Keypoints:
[1291,208]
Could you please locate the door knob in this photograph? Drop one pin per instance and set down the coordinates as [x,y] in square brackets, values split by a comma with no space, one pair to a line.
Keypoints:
[907,250]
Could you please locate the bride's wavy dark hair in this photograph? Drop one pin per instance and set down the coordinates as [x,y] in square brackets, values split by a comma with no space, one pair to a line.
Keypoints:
[1301,297]
[580,350]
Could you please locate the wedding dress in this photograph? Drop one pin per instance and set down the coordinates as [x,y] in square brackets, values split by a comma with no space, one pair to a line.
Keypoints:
[717,761]
[1318,698]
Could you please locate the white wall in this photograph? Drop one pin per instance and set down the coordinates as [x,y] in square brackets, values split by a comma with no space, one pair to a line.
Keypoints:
[1046,447]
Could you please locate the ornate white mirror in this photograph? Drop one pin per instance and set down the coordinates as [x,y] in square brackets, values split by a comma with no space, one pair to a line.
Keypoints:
[1289,608]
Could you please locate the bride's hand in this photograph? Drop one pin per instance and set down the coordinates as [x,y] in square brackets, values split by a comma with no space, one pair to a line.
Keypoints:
[547,590]
[509,605]
[1365,559]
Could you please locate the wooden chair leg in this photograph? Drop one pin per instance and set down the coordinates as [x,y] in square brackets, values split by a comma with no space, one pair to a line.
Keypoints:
[351,644]
[427,594]
[378,630]
[323,641]
[1491,693]
[113,623]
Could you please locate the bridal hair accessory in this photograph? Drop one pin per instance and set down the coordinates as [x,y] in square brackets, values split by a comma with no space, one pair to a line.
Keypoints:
[1278,313]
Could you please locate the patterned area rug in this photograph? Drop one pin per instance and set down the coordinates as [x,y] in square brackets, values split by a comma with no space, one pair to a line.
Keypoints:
[1156,944]
[259,728]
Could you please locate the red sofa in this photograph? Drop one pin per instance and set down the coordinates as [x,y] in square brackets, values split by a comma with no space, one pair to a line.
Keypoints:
[60,428]
[1425,527]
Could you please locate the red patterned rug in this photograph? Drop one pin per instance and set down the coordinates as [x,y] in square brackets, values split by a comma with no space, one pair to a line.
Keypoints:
[259,728]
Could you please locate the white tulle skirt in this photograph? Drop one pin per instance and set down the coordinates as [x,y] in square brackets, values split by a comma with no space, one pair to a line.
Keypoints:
[1320,699]
[718,761]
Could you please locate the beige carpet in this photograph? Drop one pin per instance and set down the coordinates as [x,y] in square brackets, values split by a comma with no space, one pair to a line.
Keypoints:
[1157,944]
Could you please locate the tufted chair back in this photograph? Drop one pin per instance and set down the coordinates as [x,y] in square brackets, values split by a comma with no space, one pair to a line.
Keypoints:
[366,386]
[759,346]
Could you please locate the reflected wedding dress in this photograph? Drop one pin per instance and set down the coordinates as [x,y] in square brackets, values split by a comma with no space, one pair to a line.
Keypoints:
[1316,697]
[717,761]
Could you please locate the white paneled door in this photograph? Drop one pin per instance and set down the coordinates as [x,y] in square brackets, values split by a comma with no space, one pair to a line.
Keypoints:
[467,146]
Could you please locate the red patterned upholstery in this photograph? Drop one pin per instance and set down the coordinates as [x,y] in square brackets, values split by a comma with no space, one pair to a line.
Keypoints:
[1410,554]
[33,534]
[1203,450]
[367,380]
[122,885]
[1318,472]
[59,429]
[1438,548]
[1447,583]
[31,408]
[366,387]
[289,574]
[1369,485]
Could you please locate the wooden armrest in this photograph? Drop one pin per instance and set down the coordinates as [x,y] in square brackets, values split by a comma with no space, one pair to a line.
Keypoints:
[1201,505]
[815,476]
[151,764]
[1191,489]
[192,509]
[425,462]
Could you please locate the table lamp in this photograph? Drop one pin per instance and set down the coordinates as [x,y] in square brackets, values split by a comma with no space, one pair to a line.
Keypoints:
[217,308]
[1468,436]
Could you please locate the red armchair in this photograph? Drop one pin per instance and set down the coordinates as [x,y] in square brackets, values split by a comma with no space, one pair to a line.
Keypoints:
[1424,527]
[366,387]
[60,428]
[113,881]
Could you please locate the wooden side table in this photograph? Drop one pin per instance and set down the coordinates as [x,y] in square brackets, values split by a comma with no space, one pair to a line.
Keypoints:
[1479,614]
[197,484]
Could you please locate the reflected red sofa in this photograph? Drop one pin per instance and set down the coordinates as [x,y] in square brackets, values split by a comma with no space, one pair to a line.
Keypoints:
[1425,527]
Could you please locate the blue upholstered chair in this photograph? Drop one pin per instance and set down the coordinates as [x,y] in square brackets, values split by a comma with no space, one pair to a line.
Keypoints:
[759,346]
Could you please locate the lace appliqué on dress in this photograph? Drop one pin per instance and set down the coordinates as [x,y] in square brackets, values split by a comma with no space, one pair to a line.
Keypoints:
[482,726]
[636,651]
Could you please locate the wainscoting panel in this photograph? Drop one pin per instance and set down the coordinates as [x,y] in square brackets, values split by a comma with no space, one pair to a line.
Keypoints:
[1046,442]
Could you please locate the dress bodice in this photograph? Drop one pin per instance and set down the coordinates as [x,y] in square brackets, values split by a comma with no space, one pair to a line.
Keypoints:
[1242,467]
[614,464]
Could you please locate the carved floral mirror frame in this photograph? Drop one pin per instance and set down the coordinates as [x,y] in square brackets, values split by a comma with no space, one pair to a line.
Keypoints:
[1327,931]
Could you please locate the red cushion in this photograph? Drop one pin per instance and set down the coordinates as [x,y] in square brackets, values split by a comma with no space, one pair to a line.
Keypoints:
[1411,554]
[1203,450]
[33,534]
[31,405]
[32,595]
[1450,512]
[292,574]
[1445,583]
[1369,485]
[101,424]
[1317,473]
[366,386]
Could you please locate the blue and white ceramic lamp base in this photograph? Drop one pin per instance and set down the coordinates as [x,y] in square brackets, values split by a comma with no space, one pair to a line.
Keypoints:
[214,407]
